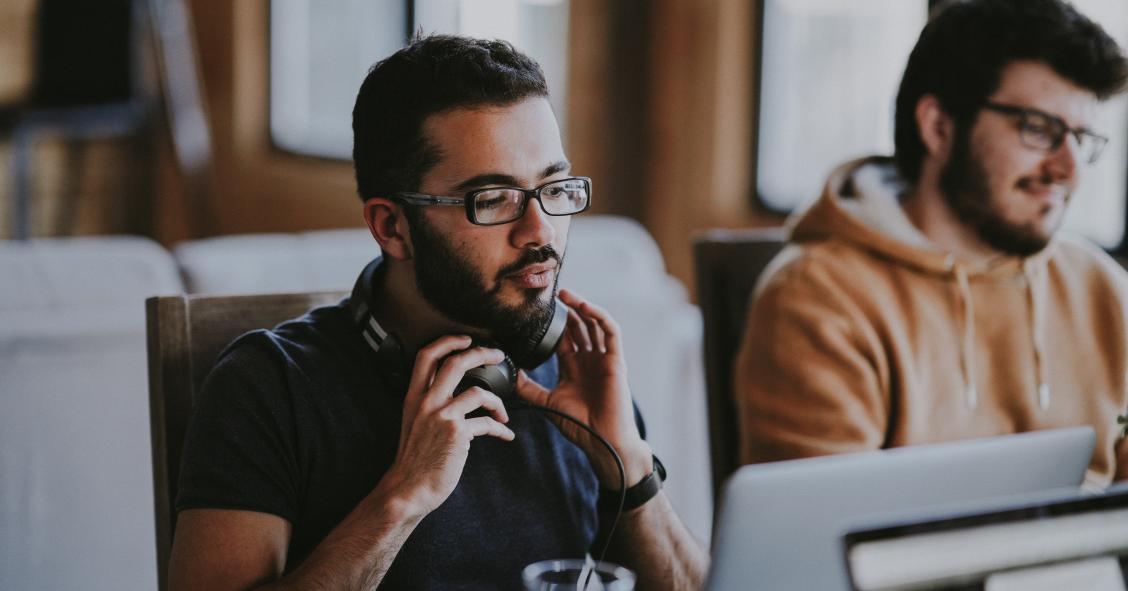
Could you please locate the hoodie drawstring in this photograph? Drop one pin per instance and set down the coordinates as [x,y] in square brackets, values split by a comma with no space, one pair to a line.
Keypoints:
[967,345]
[1033,302]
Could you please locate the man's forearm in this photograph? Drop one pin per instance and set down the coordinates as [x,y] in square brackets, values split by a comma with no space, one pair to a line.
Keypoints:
[653,542]
[358,552]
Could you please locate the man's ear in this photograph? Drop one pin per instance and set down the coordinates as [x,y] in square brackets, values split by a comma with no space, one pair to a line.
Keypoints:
[389,227]
[936,127]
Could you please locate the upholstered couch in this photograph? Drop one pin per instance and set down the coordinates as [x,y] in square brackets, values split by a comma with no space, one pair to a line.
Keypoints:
[75,475]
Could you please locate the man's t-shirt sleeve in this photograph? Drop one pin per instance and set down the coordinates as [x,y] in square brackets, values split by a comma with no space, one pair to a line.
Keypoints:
[240,450]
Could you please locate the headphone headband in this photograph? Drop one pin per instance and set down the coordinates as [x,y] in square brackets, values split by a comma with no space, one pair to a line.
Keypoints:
[386,346]
[389,352]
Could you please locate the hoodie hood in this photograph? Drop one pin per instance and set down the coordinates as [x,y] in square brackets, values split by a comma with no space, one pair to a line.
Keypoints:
[861,204]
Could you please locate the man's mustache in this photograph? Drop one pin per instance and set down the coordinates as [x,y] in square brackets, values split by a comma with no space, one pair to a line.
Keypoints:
[530,257]
[1044,180]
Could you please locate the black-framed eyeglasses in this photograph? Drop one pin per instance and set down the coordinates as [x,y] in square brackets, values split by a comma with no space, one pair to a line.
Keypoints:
[1043,131]
[501,205]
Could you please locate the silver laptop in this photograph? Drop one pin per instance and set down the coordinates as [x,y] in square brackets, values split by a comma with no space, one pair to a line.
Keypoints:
[780,525]
[1077,541]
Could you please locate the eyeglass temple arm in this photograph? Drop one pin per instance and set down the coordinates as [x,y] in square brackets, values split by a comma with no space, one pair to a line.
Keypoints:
[422,199]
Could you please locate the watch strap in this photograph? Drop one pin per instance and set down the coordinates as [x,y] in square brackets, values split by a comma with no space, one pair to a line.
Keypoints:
[637,495]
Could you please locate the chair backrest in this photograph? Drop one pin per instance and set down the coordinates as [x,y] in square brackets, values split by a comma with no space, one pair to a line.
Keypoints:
[185,336]
[727,266]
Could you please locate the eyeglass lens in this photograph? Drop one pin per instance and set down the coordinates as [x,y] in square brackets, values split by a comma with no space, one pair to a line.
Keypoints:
[496,206]
[1046,134]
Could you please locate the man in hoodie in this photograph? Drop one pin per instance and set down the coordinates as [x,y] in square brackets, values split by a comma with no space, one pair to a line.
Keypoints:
[929,297]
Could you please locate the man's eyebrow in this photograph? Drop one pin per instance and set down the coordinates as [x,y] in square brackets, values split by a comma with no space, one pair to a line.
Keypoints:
[556,167]
[490,178]
[497,178]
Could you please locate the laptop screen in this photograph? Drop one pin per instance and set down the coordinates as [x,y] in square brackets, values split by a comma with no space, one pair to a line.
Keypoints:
[1079,543]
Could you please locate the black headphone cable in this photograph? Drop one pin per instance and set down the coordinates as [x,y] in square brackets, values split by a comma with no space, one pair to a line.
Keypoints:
[523,405]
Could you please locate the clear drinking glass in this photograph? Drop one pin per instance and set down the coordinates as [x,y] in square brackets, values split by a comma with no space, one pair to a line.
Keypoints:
[568,575]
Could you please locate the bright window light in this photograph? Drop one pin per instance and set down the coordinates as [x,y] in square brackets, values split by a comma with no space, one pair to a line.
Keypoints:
[321,51]
[829,76]
[1097,208]
[319,54]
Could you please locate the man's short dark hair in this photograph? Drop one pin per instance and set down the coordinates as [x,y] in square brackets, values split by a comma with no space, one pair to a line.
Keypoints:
[431,75]
[966,44]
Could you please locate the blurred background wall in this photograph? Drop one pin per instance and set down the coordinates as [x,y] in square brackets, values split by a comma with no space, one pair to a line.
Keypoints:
[659,101]
[656,109]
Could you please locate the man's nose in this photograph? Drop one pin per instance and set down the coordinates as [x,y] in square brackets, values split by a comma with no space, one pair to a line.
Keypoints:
[534,228]
[1062,161]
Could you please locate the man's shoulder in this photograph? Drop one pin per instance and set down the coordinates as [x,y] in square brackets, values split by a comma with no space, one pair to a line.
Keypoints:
[818,265]
[1076,247]
[1077,256]
[321,337]
[319,327]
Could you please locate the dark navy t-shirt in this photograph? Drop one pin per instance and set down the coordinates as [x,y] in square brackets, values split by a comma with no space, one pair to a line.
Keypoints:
[301,423]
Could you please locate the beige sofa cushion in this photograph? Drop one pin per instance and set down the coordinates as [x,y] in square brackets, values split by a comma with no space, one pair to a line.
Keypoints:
[76,500]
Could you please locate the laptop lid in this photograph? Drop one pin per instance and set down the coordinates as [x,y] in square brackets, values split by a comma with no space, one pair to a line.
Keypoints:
[780,524]
[1077,542]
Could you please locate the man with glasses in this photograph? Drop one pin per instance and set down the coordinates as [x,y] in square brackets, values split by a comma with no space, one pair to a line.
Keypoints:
[338,450]
[929,296]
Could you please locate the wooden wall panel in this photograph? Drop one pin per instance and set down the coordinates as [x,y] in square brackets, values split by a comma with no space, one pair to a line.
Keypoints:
[718,131]
[260,188]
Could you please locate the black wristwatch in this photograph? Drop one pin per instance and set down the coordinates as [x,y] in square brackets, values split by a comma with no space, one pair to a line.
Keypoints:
[637,495]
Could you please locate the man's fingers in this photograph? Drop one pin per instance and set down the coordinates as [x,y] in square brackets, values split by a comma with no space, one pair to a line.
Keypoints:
[426,363]
[578,331]
[530,390]
[611,331]
[569,297]
[453,368]
[428,359]
[598,342]
[591,312]
[473,399]
[566,346]
[480,426]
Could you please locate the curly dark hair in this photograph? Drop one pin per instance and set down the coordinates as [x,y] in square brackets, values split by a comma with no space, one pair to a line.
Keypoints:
[966,44]
[432,74]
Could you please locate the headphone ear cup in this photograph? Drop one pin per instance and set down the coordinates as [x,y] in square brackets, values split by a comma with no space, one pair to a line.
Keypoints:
[499,378]
[553,332]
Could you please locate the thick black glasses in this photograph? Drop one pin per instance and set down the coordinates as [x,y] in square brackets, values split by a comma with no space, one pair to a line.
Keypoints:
[1043,131]
[501,205]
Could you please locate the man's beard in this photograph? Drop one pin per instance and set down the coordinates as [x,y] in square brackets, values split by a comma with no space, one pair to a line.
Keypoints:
[447,279]
[963,182]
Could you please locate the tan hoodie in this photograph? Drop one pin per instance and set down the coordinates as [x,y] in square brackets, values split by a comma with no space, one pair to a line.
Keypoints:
[864,335]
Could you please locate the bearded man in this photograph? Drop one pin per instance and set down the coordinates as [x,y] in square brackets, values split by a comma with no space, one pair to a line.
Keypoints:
[336,451]
[929,297]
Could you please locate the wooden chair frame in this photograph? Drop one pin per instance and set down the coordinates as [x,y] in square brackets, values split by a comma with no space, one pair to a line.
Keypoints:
[727,265]
[186,334]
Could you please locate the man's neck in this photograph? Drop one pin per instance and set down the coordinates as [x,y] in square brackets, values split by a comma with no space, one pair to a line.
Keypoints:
[929,211]
[399,308]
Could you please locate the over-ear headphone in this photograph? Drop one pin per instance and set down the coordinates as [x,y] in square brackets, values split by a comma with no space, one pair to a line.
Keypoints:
[501,379]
